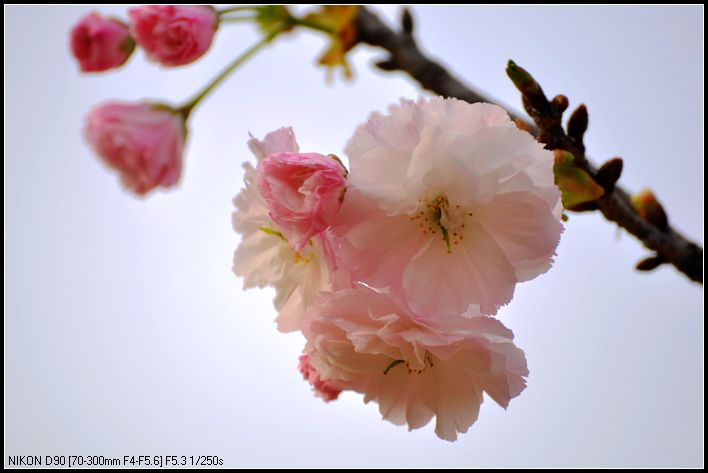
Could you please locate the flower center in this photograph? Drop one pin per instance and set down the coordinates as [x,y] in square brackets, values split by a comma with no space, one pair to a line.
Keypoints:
[427,362]
[440,218]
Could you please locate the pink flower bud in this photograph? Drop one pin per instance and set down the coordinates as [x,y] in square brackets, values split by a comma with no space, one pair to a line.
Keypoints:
[303,193]
[142,141]
[327,390]
[99,43]
[173,35]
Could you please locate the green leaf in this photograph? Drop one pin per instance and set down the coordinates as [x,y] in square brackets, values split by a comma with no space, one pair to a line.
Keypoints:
[576,185]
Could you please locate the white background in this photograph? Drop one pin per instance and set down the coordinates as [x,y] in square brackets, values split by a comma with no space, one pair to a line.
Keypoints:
[126,332]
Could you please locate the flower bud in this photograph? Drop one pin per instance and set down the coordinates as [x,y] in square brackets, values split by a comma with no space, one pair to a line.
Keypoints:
[303,192]
[173,35]
[100,44]
[142,141]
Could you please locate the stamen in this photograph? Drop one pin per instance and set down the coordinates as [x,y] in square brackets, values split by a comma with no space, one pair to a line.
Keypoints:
[427,362]
[439,217]
[299,258]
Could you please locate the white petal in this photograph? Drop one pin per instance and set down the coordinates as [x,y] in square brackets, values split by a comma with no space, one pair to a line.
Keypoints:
[261,259]
[281,140]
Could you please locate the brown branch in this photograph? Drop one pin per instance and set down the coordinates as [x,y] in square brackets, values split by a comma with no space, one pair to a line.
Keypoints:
[404,55]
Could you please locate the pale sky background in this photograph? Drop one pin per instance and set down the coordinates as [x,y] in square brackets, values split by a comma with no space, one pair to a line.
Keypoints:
[127,334]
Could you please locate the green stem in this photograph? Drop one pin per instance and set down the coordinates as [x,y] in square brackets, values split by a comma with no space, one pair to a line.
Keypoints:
[312,25]
[186,109]
[236,19]
[235,9]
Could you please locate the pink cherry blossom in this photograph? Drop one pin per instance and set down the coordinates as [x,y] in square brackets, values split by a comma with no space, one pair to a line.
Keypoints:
[173,35]
[327,390]
[265,257]
[143,142]
[448,206]
[303,191]
[415,370]
[99,43]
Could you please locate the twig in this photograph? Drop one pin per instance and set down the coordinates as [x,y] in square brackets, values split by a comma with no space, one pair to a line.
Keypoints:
[404,55]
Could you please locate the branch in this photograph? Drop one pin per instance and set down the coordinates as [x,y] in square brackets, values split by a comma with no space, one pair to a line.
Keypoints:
[669,246]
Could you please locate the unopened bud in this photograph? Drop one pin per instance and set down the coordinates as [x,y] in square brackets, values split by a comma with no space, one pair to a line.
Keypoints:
[522,79]
[609,173]
[578,123]
[650,263]
[407,21]
[649,209]
[559,104]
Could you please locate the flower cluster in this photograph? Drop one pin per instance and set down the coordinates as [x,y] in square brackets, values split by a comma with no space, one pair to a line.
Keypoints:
[394,270]
[144,141]
[171,35]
